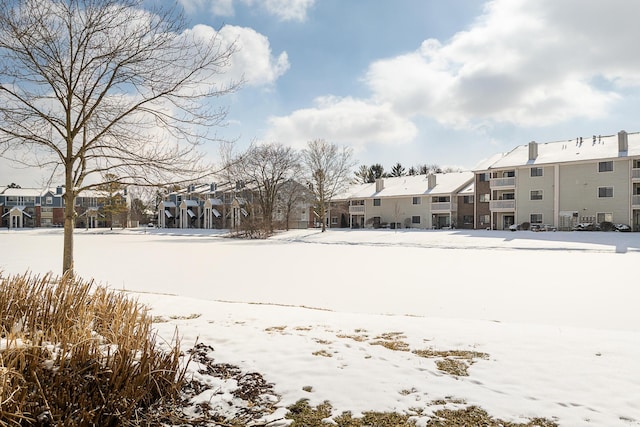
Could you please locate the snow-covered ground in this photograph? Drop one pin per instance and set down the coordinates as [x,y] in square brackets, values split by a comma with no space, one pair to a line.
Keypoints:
[556,313]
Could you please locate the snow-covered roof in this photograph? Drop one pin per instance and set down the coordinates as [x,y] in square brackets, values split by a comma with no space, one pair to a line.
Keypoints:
[603,147]
[23,192]
[416,185]
[190,203]
[168,204]
[469,189]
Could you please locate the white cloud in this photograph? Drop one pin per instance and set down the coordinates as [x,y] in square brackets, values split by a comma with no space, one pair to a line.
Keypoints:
[253,59]
[342,120]
[521,62]
[284,10]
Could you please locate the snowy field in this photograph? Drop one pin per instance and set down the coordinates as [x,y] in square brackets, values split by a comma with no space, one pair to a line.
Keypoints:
[555,314]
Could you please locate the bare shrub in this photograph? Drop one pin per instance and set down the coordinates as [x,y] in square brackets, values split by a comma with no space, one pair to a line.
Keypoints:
[72,353]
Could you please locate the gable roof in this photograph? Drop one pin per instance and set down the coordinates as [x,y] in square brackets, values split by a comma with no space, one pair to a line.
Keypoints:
[416,185]
[602,148]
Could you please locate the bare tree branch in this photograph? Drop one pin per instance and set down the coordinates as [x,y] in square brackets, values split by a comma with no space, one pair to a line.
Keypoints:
[107,88]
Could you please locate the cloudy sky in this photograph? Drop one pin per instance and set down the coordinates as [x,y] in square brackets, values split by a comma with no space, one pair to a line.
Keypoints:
[426,81]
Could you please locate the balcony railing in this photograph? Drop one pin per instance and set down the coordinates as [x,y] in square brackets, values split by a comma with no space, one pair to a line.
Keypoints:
[356,210]
[635,173]
[503,182]
[635,200]
[495,205]
[441,207]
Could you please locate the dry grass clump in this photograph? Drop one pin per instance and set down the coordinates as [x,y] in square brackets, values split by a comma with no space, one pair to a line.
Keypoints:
[475,416]
[73,354]
[392,341]
[304,415]
[454,362]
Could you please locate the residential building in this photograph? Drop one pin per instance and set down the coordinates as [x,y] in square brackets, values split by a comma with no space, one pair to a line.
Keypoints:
[33,207]
[562,183]
[419,201]
[226,205]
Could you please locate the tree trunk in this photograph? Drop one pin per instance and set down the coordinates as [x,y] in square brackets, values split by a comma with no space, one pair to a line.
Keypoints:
[69,214]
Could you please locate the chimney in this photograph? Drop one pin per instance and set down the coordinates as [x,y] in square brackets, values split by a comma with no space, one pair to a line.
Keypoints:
[623,141]
[379,184]
[431,181]
[533,150]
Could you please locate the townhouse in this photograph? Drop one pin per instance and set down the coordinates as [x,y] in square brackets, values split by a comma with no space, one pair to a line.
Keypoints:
[563,183]
[33,207]
[226,205]
[442,200]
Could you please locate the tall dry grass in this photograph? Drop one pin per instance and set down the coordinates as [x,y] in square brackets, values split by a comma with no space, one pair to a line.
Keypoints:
[75,354]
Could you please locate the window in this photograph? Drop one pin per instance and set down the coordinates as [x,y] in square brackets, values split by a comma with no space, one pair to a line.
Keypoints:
[357,203]
[376,202]
[605,166]
[467,199]
[467,219]
[605,192]
[483,177]
[49,200]
[604,216]
[536,172]
[536,194]
[417,200]
[508,174]
[484,198]
[536,219]
[507,196]
[415,219]
[334,220]
[440,199]
[484,219]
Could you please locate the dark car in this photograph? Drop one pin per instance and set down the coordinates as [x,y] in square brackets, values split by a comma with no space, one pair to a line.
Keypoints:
[621,227]
[584,226]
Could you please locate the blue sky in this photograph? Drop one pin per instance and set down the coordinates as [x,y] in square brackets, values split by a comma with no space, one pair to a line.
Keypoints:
[430,81]
[423,81]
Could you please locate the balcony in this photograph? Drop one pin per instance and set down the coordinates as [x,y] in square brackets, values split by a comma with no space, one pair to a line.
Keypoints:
[441,207]
[509,182]
[635,200]
[502,205]
[356,210]
[635,174]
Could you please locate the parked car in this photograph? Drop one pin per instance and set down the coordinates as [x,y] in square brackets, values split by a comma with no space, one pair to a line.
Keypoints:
[543,227]
[515,227]
[621,227]
[586,226]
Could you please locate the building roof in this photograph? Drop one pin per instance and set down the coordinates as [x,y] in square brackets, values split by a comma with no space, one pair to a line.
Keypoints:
[416,185]
[605,147]
[23,192]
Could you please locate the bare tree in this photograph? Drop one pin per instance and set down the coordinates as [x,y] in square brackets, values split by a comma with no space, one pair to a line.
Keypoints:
[114,204]
[104,87]
[292,194]
[328,168]
[265,169]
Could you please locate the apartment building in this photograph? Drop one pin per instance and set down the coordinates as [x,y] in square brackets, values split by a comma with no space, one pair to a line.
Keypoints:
[562,183]
[34,207]
[443,200]
[225,205]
